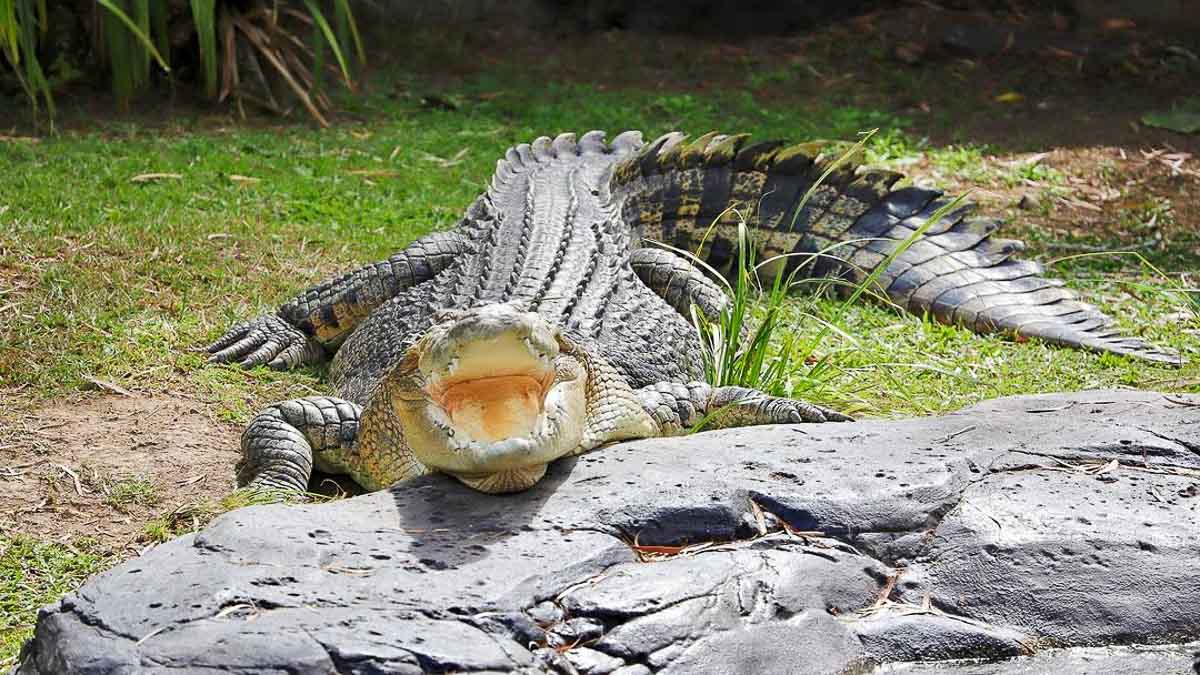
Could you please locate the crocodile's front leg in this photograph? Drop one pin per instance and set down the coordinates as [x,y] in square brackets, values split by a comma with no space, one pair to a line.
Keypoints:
[315,322]
[678,408]
[279,445]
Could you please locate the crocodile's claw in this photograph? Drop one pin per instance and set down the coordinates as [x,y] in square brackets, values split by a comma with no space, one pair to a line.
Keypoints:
[791,410]
[266,340]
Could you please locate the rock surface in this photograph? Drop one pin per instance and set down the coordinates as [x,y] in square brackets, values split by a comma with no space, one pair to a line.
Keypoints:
[1034,531]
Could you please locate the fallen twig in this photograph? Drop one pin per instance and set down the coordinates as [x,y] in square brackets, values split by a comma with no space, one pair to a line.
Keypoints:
[74,477]
[960,432]
[109,386]
[151,177]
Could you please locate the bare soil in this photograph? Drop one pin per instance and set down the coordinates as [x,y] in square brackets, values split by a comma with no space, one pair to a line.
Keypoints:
[1108,198]
[101,467]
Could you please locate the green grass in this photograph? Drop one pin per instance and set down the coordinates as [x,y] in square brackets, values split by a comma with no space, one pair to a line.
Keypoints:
[131,492]
[32,574]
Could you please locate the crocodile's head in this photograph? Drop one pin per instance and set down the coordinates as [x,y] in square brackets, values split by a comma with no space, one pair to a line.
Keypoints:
[492,395]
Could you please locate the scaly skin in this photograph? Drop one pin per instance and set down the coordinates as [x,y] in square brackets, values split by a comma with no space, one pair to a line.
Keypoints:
[525,335]
[541,328]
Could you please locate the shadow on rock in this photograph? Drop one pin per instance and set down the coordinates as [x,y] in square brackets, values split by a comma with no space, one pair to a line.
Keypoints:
[453,525]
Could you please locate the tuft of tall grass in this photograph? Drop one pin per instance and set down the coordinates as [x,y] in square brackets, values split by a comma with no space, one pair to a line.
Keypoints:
[1175,292]
[752,344]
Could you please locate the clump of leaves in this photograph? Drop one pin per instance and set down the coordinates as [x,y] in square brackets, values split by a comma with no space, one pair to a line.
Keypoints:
[262,55]
[265,52]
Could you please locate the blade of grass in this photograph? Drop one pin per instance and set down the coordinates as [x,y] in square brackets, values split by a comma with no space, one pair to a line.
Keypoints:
[318,47]
[319,18]
[346,21]
[230,77]
[120,61]
[204,16]
[9,29]
[855,150]
[26,19]
[159,30]
[141,11]
[136,30]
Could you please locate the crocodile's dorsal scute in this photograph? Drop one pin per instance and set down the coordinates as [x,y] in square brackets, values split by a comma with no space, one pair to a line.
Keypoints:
[545,236]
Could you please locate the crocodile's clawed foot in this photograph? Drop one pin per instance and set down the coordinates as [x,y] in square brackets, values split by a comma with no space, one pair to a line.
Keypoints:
[810,412]
[793,410]
[266,340]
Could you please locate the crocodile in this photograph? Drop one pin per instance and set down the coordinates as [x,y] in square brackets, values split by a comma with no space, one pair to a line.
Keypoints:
[545,324]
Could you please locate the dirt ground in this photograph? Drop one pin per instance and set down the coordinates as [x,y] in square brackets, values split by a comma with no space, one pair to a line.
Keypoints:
[101,467]
[1098,184]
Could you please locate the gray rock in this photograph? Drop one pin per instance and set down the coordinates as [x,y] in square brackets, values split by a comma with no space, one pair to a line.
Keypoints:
[668,606]
[1138,660]
[579,629]
[545,613]
[920,635]
[810,643]
[591,662]
[1065,520]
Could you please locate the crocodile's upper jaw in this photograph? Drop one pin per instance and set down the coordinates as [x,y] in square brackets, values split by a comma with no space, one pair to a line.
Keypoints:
[496,395]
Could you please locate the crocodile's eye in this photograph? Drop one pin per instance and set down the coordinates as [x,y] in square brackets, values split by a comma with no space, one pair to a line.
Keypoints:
[448,315]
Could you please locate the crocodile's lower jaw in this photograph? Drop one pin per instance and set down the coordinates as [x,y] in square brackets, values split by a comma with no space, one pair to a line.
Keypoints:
[506,481]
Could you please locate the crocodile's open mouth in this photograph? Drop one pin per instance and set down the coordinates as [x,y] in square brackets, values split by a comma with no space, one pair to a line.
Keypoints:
[497,390]
[494,389]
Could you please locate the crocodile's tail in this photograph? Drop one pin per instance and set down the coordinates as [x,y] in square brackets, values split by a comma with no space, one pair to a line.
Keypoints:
[693,195]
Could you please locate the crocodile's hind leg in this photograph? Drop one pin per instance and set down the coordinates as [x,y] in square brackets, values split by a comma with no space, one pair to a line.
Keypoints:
[679,282]
[279,445]
[676,408]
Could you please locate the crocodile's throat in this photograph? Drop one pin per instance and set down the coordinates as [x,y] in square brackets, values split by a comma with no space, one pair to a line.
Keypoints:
[490,409]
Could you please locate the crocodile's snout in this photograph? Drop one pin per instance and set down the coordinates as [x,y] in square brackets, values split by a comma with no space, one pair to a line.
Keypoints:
[496,394]
[486,342]
[490,370]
